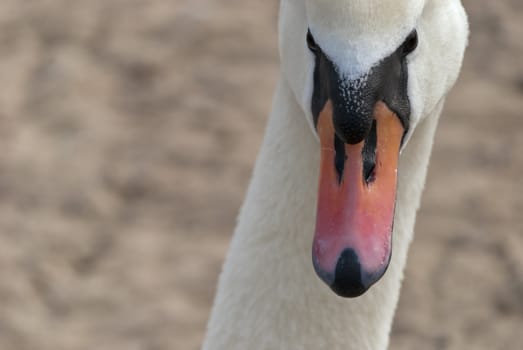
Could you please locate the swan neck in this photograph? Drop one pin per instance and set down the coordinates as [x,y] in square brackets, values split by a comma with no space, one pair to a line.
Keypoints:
[269,296]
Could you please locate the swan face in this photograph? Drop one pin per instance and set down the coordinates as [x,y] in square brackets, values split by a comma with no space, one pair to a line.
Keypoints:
[365,74]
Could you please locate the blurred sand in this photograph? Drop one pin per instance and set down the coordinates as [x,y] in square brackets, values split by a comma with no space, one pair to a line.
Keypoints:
[129,129]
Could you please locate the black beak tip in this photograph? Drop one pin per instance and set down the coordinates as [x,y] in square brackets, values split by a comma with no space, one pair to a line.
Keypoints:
[350,280]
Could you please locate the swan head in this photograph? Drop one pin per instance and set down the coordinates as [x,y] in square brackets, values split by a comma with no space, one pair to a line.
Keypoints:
[365,74]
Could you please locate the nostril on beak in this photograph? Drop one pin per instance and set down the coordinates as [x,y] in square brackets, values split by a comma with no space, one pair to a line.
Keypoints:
[368,153]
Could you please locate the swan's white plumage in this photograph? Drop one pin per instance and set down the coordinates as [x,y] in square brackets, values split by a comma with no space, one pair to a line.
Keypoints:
[358,34]
[268,295]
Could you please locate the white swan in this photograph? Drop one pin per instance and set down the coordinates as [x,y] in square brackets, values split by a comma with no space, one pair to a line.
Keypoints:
[369,77]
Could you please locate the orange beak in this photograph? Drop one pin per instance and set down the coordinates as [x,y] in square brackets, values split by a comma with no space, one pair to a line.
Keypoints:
[352,242]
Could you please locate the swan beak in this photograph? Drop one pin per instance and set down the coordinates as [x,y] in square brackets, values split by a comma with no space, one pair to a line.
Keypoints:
[355,213]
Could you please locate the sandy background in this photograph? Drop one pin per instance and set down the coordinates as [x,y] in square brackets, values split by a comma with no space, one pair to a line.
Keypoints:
[128,130]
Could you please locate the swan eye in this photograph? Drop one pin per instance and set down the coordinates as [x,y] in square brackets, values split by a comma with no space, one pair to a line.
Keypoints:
[410,43]
[311,43]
